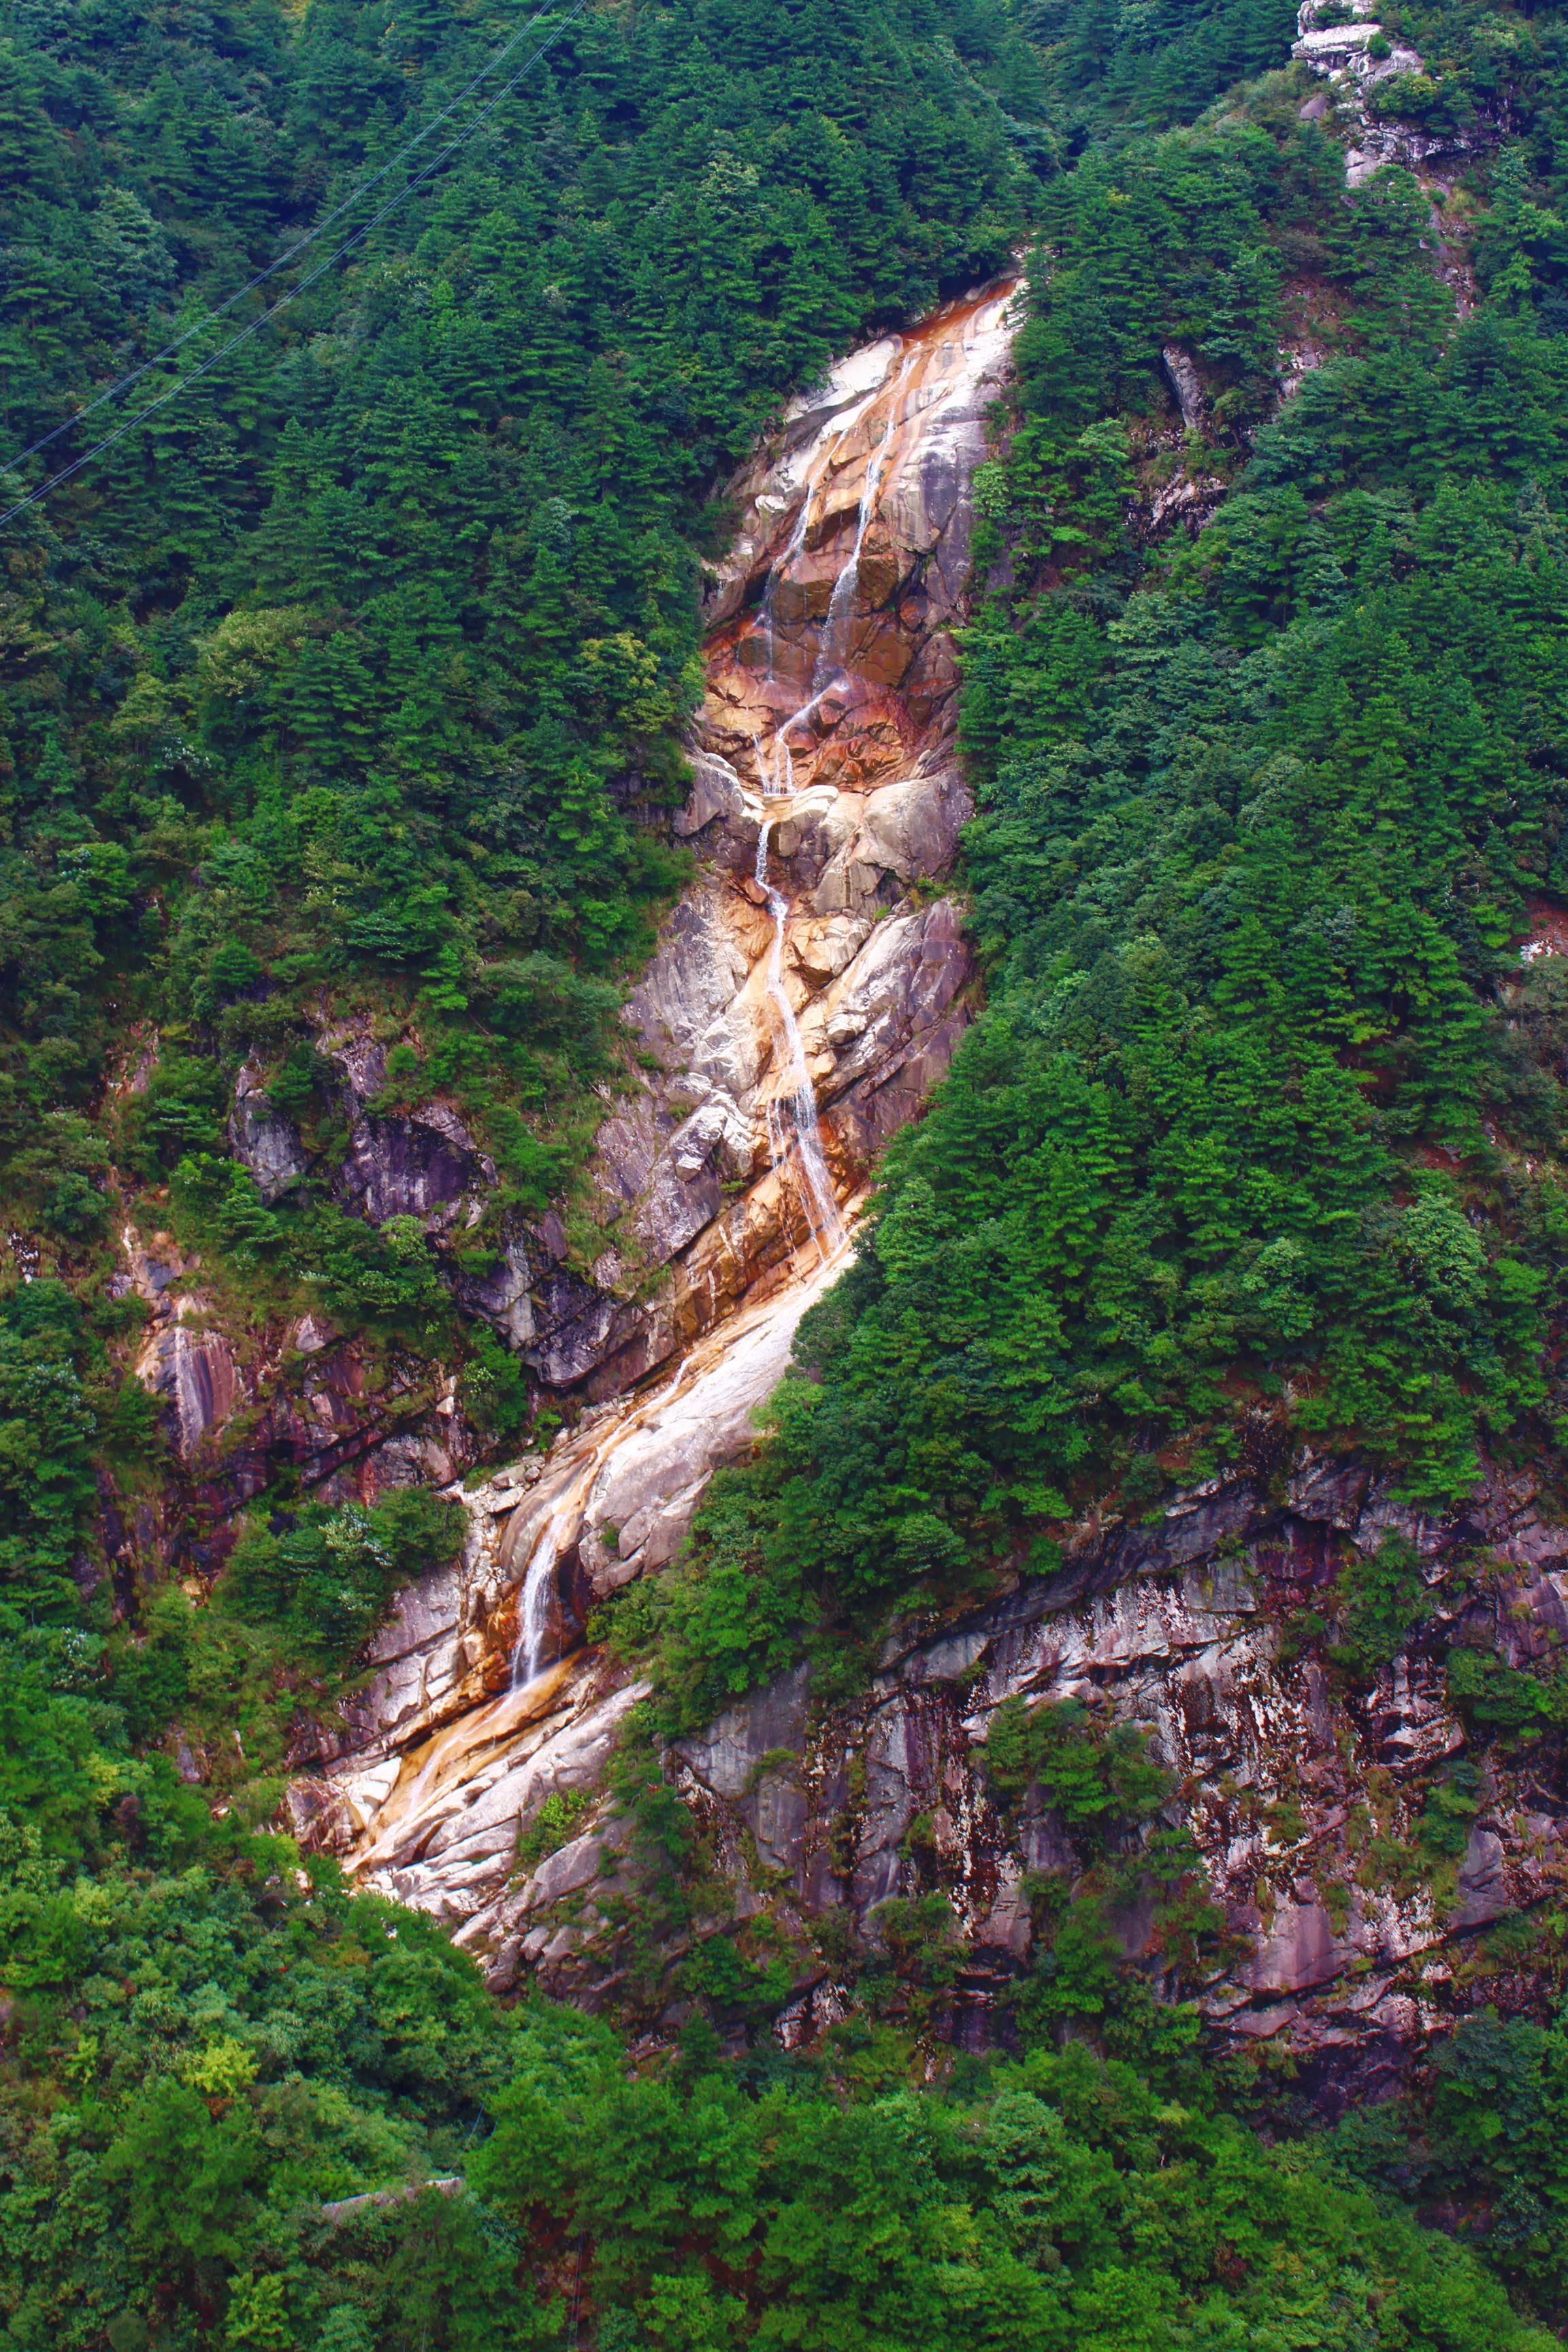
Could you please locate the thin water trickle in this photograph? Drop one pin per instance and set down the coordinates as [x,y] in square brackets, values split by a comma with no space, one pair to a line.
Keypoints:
[777,777]
[529,1658]
[793,1129]
[533,1617]
[623,1478]
[827,1225]
[832,667]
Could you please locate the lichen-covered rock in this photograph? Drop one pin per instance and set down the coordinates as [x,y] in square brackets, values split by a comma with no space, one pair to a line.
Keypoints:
[426,1165]
[263,1140]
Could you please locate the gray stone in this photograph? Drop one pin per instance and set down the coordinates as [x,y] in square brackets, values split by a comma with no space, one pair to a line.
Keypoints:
[1483,1886]
[196,1373]
[727,1759]
[1328,1492]
[264,1141]
[1185,383]
[502,1296]
[416,1167]
[715,793]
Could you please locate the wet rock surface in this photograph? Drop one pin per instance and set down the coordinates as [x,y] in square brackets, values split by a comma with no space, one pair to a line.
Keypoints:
[702,1210]
[829,719]
[809,965]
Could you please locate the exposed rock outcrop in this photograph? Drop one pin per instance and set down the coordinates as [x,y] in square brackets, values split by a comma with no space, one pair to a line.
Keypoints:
[184,1362]
[427,1166]
[803,999]
[1357,58]
[1284,1784]
[828,718]
[263,1141]
[823,789]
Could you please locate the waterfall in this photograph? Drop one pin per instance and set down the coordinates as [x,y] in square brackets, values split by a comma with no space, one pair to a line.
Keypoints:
[832,665]
[477,1708]
[827,1225]
[528,1659]
[563,1525]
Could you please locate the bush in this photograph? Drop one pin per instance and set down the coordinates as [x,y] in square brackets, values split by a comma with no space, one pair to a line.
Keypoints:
[1517,1709]
[1383,1602]
[1099,1780]
[323,1578]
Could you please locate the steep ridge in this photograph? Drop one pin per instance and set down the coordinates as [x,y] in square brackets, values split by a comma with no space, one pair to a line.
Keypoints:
[805,997]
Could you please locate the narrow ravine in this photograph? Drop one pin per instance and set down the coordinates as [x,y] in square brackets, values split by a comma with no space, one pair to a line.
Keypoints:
[806,996]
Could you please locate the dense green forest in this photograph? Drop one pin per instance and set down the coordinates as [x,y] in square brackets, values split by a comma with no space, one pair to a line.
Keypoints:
[355,677]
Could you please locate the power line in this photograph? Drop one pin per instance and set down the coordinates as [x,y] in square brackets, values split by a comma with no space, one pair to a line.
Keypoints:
[283,259]
[294,292]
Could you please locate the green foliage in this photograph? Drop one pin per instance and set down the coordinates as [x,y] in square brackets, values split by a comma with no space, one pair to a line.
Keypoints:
[553,1824]
[1443,1828]
[1489,2134]
[1062,2205]
[46,1430]
[1159,66]
[1513,1706]
[733,1611]
[1099,1780]
[495,1392]
[324,1580]
[1382,1602]
[1244,1123]
[354,684]
[363,666]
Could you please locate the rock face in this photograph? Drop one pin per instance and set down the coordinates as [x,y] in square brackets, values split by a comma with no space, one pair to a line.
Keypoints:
[185,1363]
[237,1404]
[427,1166]
[801,967]
[803,999]
[261,1140]
[1357,57]
[448,1720]
[1283,1785]
[829,721]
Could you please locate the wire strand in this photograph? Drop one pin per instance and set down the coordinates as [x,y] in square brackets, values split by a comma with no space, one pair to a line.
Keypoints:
[299,246]
[163,398]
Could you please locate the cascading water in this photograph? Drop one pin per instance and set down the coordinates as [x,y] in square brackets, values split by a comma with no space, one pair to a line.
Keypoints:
[832,665]
[778,780]
[478,1708]
[531,1654]
[827,1225]
[816,476]
[528,1660]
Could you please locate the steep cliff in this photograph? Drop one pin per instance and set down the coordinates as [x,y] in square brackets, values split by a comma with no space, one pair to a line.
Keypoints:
[1333,1850]
[782,1407]
[805,994]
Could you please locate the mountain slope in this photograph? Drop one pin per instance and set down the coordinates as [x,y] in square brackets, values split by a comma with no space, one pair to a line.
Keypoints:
[1207,1323]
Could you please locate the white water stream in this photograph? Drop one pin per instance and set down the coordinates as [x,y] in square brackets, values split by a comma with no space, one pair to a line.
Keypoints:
[794,1127]
[478,1706]
[826,1226]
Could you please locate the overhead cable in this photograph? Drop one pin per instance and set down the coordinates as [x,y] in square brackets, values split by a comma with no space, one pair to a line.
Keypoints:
[294,292]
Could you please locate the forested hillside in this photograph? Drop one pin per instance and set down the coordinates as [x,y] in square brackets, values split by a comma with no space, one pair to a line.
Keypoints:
[344,699]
